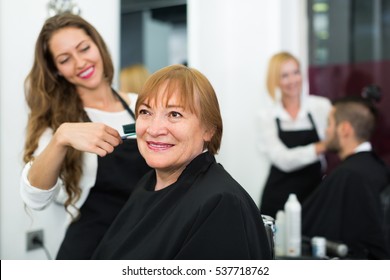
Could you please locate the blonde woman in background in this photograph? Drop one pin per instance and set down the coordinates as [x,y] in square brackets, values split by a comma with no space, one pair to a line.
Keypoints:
[133,77]
[289,135]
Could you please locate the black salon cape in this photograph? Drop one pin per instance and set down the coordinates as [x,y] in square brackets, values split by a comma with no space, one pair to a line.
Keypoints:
[346,207]
[206,214]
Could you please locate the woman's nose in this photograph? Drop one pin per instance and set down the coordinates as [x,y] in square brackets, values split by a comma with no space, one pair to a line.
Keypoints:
[80,62]
[291,79]
[157,126]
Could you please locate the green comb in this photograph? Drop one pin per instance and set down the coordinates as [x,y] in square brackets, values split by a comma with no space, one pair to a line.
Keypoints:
[128,130]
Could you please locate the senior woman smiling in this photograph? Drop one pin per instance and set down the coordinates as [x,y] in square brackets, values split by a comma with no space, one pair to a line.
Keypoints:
[188,207]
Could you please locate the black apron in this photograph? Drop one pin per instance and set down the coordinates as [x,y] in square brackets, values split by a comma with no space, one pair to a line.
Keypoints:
[117,175]
[302,182]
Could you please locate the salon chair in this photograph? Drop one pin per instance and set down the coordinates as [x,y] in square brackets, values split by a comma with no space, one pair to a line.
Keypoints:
[269,224]
[385,202]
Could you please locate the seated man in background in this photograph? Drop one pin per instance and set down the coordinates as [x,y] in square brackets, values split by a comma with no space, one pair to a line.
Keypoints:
[346,206]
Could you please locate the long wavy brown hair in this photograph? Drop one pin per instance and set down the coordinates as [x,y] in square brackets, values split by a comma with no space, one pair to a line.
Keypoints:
[52,100]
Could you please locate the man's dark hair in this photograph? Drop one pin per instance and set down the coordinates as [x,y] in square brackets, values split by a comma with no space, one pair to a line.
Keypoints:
[359,112]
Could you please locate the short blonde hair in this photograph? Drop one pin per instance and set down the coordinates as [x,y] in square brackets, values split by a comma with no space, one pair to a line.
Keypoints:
[196,95]
[274,68]
[133,77]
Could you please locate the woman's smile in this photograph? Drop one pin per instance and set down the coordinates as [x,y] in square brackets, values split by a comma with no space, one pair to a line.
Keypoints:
[158,146]
[87,73]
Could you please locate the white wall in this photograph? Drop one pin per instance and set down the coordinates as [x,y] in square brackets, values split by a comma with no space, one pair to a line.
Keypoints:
[231,41]
[20,22]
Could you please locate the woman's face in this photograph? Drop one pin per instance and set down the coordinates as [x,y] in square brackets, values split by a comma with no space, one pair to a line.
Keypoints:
[77,57]
[169,137]
[290,79]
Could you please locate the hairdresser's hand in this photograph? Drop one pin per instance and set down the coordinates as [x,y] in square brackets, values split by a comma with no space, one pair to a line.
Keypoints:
[87,137]
[320,147]
[95,138]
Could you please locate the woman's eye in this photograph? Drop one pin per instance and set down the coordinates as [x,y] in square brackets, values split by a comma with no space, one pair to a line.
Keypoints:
[175,114]
[283,76]
[143,112]
[63,61]
[85,49]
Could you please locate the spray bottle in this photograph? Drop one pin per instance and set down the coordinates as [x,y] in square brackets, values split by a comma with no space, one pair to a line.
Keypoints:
[280,243]
[292,210]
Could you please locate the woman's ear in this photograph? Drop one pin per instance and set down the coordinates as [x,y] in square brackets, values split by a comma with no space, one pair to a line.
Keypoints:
[208,134]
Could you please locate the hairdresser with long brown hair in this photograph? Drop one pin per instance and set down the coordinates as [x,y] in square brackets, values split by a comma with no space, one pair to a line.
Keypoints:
[74,151]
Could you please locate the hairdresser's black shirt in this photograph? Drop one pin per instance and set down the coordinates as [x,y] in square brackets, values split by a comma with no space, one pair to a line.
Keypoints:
[117,175]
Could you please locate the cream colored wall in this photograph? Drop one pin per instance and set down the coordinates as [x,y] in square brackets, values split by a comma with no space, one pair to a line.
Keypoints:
[230,41]
[20,22]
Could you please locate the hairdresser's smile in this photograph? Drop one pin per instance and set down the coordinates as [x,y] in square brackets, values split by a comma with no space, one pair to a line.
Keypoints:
[87,73]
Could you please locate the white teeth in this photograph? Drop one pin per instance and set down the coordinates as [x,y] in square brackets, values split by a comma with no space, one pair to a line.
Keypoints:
[87,72]
[159,145]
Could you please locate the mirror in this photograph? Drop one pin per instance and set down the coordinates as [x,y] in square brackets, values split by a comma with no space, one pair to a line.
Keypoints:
[153,33]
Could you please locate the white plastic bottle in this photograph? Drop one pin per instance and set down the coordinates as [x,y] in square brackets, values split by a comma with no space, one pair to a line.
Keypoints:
[280,244]
[292,210]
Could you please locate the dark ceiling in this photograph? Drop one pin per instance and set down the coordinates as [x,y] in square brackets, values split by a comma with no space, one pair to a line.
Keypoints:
[173,11]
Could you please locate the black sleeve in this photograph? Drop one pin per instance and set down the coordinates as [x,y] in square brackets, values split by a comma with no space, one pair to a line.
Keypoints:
[226,228]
